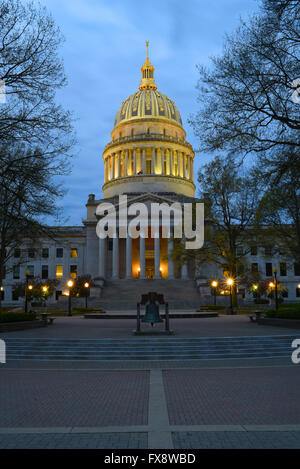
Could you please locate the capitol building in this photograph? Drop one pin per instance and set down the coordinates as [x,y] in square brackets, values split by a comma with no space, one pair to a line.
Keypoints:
[149,160]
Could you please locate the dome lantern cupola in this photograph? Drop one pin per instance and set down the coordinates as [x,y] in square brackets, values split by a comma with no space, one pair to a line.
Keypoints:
[147,82]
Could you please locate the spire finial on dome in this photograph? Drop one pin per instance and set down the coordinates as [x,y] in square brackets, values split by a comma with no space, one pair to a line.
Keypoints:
[147,82]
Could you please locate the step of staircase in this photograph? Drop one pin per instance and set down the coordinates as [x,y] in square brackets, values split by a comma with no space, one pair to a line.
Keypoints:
[118,295]
[149,349]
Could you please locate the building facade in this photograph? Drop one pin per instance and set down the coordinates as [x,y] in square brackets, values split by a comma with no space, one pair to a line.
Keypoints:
[149,160]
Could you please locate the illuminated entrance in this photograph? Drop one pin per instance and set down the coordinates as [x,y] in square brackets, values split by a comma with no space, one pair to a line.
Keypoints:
[149,258]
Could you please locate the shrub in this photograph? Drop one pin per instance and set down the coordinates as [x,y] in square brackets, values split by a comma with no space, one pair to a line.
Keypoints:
[261,301]
[212,308]
[88,310]
[16,316]
[287,311]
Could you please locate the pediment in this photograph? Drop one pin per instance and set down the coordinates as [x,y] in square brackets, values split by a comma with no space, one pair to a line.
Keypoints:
[147,198]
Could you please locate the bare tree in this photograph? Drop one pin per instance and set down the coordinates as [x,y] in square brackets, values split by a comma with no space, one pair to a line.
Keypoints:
[246,96]
[36,134]
[231,200]
[280,210]
[32,72]
[28,194]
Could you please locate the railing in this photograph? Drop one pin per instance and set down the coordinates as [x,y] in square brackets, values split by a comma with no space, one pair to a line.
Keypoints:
[148,137]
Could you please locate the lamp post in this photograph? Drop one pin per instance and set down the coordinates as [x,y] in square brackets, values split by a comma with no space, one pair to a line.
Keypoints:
[230,283]
[275,270]
[214,285]
[86,286]
[44,290]
[70,285]
[27,273]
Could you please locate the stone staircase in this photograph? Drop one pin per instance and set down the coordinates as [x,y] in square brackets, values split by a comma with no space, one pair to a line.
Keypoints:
[149,349]
[124,294]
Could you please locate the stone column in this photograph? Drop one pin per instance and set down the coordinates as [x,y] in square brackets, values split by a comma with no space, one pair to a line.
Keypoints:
[184,165]
[162,161]
[171,161]
[128,257]
[170,260]
[115,258]
[113,165]
[156,258]
[153,161]
[119,163]
[102,244]
[178,163]
[144,161]
[142,258]
[134,161]
[105,168]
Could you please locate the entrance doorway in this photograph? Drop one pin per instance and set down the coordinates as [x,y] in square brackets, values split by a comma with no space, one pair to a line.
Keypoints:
[149,268]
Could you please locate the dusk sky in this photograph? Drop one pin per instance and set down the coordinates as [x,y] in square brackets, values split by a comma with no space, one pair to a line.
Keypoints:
[103,53]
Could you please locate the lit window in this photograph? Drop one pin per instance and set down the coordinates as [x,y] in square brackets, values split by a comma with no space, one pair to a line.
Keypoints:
[73,271]
[59,271]
[74,252]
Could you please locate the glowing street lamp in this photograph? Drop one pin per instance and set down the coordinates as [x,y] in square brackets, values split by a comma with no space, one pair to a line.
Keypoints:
[214,285]
[230,282]
[70,284]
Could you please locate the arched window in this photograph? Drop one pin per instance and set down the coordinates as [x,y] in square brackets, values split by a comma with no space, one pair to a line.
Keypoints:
[132,132]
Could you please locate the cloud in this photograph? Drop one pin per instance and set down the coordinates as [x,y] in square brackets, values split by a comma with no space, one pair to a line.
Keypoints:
[103,54]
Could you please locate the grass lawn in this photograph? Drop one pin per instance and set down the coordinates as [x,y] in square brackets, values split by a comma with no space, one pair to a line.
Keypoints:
[285,311]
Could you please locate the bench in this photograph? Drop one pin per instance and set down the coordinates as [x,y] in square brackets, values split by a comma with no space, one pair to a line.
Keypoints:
[258,315]
[46,319]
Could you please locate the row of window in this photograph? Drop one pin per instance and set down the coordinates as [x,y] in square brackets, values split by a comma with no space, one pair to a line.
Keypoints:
[268,251]
[282,269]
[31,253]
[59,271]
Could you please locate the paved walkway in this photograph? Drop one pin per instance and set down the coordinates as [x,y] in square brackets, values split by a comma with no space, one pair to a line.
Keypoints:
[222,326]
[161,405]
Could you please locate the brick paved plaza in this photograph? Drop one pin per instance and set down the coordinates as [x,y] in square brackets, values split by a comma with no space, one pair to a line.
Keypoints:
[245,403]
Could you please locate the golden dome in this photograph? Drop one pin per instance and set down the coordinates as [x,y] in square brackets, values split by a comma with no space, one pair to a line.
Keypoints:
[148,103]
